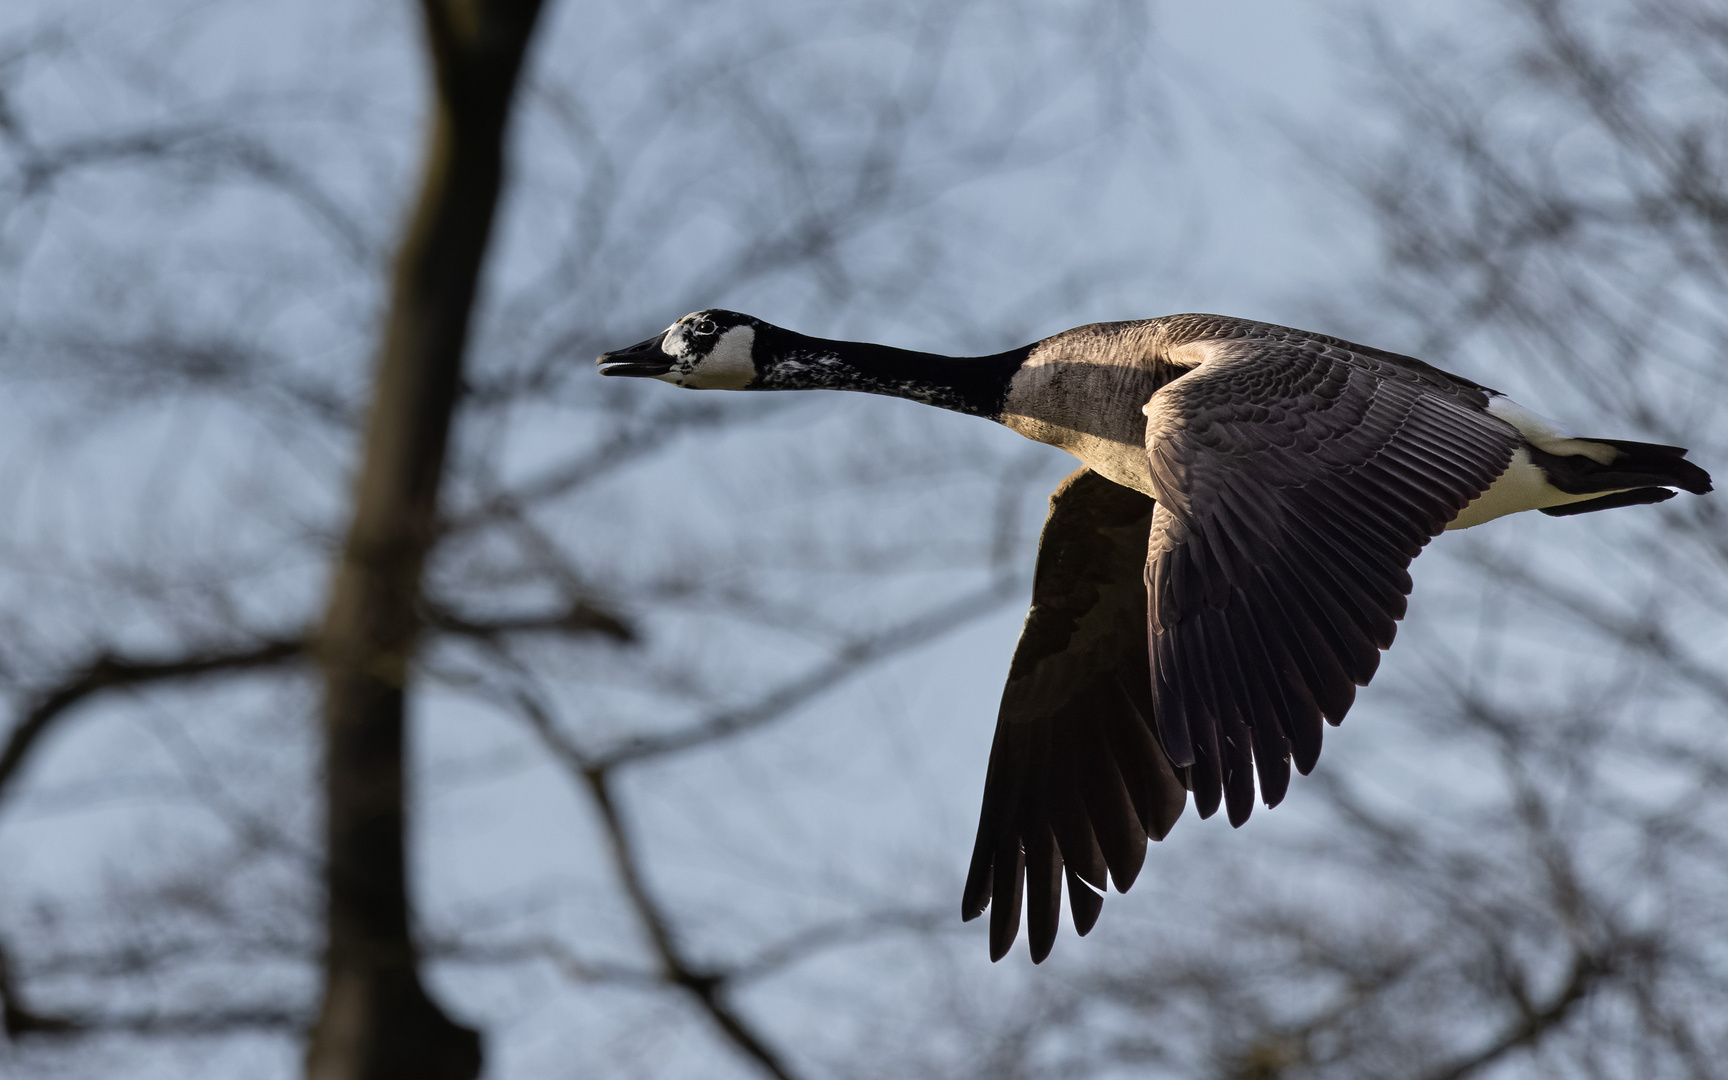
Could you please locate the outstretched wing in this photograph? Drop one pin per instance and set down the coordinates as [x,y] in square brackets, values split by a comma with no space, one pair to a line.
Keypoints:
[1297,477]
[1077,780]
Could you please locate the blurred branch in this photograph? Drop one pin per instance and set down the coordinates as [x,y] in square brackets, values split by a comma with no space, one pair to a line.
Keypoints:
[20,1021]
[707,986]
[547,949]
[1649,636]
[204,1022]
[847,661]
[631,444]
[813,940]
[1536,1019]
[218,145]
[109,671]
[594,770]
[770,960]
[40,167]
[15,1018]
[578,617]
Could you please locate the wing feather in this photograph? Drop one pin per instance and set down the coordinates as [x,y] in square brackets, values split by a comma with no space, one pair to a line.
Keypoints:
[1297,477]
[1084,904]
[1078,782]
[1110,807]
[1072,825]
[1157,792]
[1043,893]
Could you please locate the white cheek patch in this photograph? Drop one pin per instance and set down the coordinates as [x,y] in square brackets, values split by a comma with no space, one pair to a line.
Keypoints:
[728,365]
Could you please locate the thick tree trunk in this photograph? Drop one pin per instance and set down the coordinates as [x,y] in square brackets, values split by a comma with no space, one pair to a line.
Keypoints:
[377,1021]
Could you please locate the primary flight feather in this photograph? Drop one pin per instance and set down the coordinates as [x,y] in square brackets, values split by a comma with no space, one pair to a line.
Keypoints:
[1215,580]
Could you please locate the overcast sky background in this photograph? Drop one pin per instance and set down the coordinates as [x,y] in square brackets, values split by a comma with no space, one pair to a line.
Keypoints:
[1221,207]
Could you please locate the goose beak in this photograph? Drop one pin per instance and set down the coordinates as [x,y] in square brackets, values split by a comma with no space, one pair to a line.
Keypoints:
[641,359]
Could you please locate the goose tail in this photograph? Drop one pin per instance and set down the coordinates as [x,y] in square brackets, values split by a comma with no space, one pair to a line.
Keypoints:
[1638,473]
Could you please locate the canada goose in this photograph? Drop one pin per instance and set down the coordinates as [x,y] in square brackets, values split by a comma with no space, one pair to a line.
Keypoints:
[1220,574]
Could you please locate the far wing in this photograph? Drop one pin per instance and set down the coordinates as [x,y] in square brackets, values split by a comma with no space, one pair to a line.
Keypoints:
[1077,780]
[1297,479]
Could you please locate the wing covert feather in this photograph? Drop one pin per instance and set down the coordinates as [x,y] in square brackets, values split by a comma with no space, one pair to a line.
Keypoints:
[1297,477]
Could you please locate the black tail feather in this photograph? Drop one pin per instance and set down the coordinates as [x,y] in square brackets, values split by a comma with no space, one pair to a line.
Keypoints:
[1639,466]
[1667,465]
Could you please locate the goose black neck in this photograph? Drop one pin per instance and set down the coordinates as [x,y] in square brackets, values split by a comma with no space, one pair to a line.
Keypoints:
[977,385]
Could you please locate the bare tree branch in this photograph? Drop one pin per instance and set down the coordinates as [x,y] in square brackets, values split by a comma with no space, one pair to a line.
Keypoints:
[1535,1021]
[203,1022]
[708,986]
[580,617]
[16,1018]
[110,672]
[850,659]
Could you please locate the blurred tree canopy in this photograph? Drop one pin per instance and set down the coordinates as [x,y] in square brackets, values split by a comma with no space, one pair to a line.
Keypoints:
[681,800]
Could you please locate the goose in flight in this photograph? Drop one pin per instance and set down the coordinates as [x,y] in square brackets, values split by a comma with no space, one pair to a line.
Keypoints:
[1219,575]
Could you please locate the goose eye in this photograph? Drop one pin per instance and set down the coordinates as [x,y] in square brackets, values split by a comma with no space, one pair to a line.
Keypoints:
[704,327]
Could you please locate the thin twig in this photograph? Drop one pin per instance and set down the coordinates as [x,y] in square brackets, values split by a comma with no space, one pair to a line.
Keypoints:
[110,672]
[804,688]
[1534,1023]
[707,986]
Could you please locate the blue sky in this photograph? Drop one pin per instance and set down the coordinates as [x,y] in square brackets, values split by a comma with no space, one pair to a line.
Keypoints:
[1200,198]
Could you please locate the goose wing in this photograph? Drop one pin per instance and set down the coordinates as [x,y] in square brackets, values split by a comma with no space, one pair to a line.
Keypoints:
[1297,477]
[1077,780]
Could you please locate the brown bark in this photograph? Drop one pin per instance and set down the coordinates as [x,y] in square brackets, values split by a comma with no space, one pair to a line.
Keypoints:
[377,1020]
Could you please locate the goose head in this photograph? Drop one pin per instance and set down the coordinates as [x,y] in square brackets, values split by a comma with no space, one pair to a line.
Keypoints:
[705,350]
